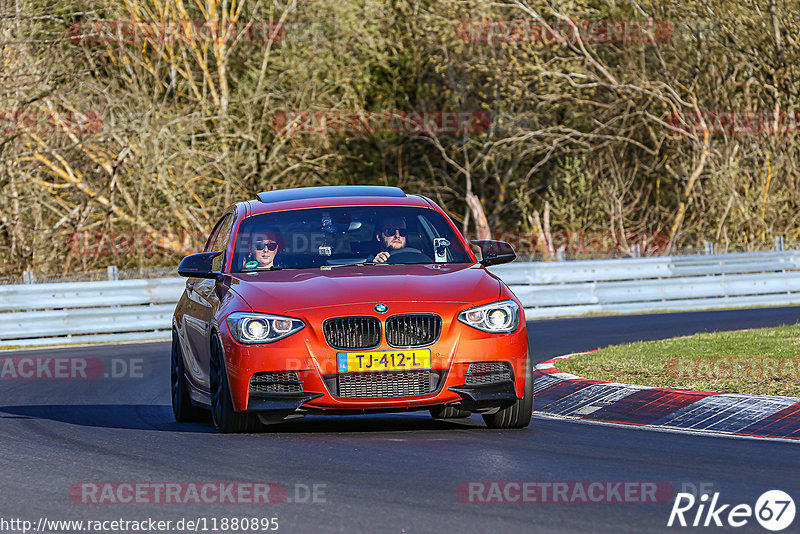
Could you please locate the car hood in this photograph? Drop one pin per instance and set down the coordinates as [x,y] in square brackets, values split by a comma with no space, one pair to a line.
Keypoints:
[287,290]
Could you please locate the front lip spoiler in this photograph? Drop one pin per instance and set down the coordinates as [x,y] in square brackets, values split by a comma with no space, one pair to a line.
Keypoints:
[479,397]
[501,394]
[279,402]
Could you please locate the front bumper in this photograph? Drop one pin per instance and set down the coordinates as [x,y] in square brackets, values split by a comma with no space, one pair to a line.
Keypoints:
[472,398]
[308,354]
[279,401]
[480,397]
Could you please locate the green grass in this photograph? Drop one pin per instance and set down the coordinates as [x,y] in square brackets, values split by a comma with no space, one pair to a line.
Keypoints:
[762,361]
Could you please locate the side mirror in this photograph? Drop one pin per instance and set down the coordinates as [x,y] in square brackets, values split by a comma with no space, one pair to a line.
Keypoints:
[495,252]
[198,265]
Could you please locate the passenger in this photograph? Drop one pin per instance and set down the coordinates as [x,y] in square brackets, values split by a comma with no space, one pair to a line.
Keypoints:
[391,234]
[263,250]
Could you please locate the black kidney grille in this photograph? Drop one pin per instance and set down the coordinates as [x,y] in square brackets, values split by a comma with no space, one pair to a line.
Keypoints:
[352,332]
[488,373]
[275,382]
[413,330]
[386,384]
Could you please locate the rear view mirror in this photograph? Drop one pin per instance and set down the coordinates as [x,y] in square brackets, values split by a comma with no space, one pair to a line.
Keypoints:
[495,252]
[198,265]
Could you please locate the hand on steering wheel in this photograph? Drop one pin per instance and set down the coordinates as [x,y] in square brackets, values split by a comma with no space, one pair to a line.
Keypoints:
[382,256]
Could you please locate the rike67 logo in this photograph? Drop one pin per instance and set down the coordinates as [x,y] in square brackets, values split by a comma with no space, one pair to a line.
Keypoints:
[774,510]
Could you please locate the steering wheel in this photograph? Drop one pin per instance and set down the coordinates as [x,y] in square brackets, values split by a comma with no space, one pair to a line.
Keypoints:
[408,255]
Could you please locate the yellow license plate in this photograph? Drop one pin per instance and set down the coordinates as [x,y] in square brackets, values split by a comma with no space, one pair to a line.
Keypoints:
[384,360]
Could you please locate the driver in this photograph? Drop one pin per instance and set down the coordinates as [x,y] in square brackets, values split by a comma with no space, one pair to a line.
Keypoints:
[391,235]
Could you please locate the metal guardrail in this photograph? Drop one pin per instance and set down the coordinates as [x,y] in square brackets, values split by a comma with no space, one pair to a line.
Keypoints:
[88,312]
[127,310]
[674,283]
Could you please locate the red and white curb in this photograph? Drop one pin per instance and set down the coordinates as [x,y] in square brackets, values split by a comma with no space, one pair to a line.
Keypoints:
[565,395]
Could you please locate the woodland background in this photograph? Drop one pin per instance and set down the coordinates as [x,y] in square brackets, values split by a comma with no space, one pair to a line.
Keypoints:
[149,137]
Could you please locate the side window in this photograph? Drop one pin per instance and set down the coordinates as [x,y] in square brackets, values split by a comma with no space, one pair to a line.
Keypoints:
[214,233]
[221,242]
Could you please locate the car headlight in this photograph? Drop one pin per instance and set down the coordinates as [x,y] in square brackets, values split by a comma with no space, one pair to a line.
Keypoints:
[249,328]
[498,317]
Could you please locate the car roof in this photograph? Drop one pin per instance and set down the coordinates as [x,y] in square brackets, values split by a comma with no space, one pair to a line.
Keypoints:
[331,191]
[331,196]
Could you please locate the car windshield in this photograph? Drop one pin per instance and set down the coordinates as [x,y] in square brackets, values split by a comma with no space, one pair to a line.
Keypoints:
[348,235]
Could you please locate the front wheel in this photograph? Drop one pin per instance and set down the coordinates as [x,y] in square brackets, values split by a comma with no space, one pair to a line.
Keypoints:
[225,418]
[182,407]
[518,415]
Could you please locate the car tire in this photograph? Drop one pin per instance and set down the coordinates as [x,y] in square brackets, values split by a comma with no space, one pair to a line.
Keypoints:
[518,415]
[182,407]
[224,417]
[449,412]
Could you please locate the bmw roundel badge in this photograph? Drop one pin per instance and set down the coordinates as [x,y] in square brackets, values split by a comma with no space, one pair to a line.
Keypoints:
[381,308]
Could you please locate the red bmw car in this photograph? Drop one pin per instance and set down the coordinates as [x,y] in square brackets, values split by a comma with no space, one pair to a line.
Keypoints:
[346,300]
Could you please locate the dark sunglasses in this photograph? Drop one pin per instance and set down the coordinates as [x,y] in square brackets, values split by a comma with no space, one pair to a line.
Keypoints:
[389,232]
[270,246]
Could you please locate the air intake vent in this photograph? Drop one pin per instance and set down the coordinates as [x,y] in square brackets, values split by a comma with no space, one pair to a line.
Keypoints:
[413,330]
[488,373]
[275,382]
[352,332]
[387,384]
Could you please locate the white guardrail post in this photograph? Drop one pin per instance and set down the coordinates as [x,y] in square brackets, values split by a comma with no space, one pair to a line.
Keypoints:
[121,310]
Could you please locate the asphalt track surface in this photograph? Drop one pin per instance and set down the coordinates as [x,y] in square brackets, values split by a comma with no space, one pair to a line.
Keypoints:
[390,473]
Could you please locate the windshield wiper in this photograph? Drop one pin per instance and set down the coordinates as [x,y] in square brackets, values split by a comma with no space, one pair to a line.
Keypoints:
[257,270]
[353,264]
